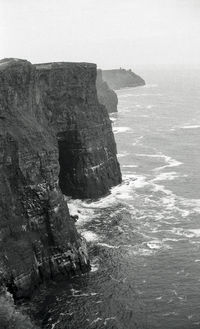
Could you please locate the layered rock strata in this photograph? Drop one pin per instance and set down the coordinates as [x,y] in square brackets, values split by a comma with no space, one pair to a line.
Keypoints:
[121,78]
[87,149]
[48,114]
[106,95]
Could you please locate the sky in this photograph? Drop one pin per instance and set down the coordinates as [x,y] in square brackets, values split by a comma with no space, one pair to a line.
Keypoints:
[111,33]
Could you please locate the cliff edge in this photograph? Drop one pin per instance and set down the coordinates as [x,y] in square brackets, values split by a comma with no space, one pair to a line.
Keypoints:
[106,95]
[54,136]
[121,78]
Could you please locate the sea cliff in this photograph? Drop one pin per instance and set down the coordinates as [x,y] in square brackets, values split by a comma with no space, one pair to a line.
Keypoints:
[87,149]
[106,95]
[55,139]
[121,78]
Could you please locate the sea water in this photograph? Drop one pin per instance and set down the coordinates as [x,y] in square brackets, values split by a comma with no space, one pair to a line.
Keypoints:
[144,238]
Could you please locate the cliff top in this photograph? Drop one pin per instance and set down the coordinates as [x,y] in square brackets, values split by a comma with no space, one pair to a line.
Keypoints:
[58,65]
[116,70]
[7,62]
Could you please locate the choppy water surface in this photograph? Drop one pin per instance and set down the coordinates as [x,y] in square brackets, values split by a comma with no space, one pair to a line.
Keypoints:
[144,238]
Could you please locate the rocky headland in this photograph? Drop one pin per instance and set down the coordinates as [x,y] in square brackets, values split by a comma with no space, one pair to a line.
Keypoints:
[56,139]
[121,78]
[105,94]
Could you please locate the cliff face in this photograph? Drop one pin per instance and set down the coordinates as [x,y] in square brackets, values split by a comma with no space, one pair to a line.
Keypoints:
[121,78]
[87,150]
[41,107]
[106,95]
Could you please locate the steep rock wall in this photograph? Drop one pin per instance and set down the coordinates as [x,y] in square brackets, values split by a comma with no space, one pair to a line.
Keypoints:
[106,95]
[87,149]
[48,114]
[121,78]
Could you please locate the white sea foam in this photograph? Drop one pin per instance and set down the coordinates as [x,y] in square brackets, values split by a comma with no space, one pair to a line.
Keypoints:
[143,252]
[89,236]
[124,191]
[124,109]
[145,94]
[155,244]
[166,176]
[184,233]
[191,203]
[113,119]
[140,182]
[134,181]
[190,127]
[81,209]
[141,116]
[170,239]
[169,201]
[161,188]
[95,321]
[86,209]
[75,291]
[138,140]
[150,155]
[130,166]
[170,313]
[118,130]
[139,251]
[108,319]
[196,232]
[170,161]
[94,264]
[108,245]
[125,95]
[122,155]
[54,324]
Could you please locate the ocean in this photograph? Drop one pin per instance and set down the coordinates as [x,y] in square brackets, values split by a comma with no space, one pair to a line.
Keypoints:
[143,238]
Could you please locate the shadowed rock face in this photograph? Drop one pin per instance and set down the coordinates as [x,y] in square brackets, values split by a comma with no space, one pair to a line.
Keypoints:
[87,149]
[106,96]
[40,107]
[120,78]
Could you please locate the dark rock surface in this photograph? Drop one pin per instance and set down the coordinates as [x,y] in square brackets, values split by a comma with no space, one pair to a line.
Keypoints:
[41,107]
[106,95]
[87,149]
[121,78]
[12,317]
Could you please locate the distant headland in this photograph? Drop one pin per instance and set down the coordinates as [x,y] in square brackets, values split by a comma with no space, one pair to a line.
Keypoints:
[121,78]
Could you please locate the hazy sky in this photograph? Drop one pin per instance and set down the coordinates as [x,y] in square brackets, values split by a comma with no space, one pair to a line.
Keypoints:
[111,33]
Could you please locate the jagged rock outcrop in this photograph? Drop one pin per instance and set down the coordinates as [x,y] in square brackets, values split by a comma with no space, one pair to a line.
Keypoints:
[41,107]
[121,78]
[106,95]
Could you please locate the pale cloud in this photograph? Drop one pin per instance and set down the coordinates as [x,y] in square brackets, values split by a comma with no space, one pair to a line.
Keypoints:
[109,32]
